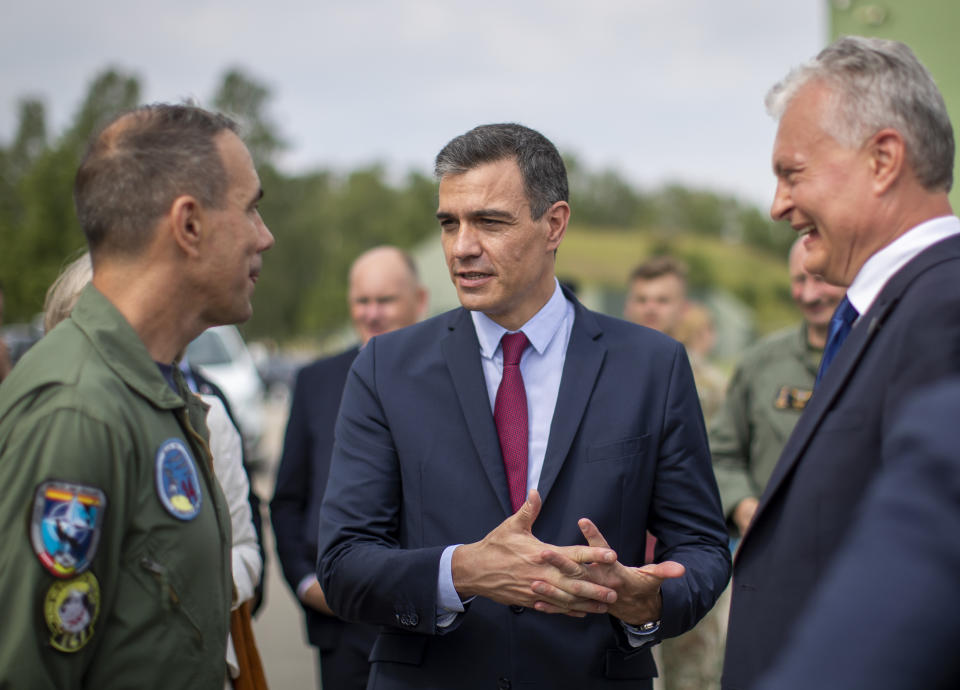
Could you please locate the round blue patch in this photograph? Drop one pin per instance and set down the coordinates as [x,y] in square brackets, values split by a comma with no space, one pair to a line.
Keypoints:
[177,483]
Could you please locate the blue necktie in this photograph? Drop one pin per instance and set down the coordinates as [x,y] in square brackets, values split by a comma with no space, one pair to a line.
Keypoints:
[840,324]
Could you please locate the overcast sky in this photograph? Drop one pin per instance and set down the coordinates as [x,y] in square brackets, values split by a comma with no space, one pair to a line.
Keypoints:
[661,90]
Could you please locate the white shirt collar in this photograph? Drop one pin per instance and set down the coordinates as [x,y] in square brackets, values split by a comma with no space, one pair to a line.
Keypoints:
[540,329]
[880,267]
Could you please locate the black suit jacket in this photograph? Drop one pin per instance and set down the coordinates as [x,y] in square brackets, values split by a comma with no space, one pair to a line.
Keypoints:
[909,336]
[885,618]
[302,480]
[417,467]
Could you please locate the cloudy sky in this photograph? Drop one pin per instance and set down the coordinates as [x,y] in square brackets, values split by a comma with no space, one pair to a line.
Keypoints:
[661,90]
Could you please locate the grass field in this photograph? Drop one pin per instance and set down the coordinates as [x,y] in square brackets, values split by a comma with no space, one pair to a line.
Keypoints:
[604,258]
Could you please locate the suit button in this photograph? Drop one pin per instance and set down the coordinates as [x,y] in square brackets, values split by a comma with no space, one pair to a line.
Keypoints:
[408,620]
[517,609]
[503,684]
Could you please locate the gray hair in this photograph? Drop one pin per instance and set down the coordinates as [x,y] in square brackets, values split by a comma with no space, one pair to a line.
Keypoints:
[541,167]
[62,296]
[139,163]
[878,83]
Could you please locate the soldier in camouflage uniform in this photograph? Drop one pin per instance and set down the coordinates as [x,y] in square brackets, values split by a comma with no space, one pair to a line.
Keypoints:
[767,393]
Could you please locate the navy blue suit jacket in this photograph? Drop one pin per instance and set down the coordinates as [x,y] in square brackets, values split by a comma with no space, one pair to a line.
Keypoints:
[910,336]
[302,480]
[886,615]
[417,467]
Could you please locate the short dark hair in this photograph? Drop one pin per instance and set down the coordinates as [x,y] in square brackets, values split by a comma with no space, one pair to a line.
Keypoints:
[659,266]
[541,167]
[139,163]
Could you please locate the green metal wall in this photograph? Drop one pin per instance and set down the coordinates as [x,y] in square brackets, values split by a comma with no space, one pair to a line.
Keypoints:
[929,27]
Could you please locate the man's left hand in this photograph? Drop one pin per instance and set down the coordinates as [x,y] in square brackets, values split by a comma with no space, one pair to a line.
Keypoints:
[638,589]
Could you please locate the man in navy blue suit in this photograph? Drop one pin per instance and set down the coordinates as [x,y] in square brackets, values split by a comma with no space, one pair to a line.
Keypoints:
[496,468]
[884,616]
[384,294]
[864,161]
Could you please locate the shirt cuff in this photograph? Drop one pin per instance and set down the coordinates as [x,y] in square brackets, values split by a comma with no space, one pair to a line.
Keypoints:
[305,584]
[449,605]
[638,637]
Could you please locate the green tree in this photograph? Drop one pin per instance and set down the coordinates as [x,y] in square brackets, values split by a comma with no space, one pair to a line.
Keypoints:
[38,226]
[246,100]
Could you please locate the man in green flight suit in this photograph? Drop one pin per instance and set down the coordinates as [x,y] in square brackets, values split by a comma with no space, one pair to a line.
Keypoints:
[767,393]
[115,567]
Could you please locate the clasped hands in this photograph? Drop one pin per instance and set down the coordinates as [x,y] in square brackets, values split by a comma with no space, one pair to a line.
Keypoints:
[513,567]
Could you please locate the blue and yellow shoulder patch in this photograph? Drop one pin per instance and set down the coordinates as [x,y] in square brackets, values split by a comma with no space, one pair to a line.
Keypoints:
[71,608]
[65,527]
[178,485]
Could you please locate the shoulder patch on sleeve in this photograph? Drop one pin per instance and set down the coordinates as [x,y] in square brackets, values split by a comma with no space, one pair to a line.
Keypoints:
[71,608]
[65,526]
[178,485]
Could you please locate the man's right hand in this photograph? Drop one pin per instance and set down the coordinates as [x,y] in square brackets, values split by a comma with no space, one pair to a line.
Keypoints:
[504,564]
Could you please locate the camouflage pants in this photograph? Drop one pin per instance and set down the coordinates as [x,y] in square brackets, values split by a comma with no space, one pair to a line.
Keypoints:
[693,661]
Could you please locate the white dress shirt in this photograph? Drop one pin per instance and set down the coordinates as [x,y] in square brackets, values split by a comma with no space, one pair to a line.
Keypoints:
[882,266]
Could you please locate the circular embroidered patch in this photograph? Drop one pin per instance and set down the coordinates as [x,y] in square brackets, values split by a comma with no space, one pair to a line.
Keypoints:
[177,483]
[65,526]
[70,609]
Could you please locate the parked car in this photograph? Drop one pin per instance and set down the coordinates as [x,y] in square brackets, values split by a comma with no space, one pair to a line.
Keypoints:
[221,354]
[20,337]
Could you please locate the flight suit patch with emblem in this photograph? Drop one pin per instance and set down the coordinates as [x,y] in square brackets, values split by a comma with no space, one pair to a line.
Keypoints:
[71,608]
[178,485]
[792,398]
[65,526]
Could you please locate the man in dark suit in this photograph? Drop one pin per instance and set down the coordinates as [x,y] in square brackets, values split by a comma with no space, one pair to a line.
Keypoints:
[902,551]
[502,462]
[384,294]
[864,161]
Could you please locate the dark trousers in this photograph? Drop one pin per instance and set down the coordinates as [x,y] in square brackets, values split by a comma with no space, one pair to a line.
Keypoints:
[346,666]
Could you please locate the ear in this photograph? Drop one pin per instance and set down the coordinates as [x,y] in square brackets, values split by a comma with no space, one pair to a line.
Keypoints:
[422,301]
[887,157]
[186,219]
[557,217]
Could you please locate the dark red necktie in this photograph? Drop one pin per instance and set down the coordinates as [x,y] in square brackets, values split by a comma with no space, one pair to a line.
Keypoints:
[510,416]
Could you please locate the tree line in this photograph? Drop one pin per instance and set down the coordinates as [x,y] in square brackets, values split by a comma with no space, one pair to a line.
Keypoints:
[321,218]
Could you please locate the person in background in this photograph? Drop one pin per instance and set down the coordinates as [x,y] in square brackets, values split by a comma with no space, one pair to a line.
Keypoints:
[116,567]
[657,294]
[657,299]
[384,294]
[769,389]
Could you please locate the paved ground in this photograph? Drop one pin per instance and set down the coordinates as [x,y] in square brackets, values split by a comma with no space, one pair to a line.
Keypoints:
[290,663]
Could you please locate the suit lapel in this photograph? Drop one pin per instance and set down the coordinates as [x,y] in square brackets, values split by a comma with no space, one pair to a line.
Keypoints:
[585,355]
[842,368]
[461,350]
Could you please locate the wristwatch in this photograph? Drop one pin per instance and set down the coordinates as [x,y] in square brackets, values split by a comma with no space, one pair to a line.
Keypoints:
[646,629]
[649,628]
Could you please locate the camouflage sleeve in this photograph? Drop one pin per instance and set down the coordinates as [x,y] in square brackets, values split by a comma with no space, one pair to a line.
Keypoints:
[729,436]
